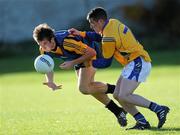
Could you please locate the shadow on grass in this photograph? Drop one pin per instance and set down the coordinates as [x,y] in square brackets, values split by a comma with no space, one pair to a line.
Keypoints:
[25,64]
[165,129]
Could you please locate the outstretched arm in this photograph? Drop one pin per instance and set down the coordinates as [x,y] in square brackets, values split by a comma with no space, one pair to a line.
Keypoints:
[93,36]
[50,81]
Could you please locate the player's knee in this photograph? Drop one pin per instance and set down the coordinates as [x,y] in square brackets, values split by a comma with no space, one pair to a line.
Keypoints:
[83,89]
[115,95]
[122,97]
[84,92]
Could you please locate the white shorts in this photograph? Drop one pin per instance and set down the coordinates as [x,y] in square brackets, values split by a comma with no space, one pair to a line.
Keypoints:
[137,70]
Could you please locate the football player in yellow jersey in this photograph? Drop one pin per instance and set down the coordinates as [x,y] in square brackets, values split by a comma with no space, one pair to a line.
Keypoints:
[75,51]
[119,42]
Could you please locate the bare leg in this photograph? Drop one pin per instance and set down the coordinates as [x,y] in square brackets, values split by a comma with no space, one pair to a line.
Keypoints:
[126,90]
[130,108]
[86,80]
[97,89]
[87,85]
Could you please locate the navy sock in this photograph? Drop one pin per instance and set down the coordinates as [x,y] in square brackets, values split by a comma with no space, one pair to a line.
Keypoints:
[155,107]
[111,88]
[140,118]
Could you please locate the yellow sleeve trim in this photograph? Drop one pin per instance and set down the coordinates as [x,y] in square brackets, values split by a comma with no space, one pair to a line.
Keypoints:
[83,34]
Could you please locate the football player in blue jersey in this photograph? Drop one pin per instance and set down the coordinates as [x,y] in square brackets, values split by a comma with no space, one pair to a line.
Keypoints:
[80,53]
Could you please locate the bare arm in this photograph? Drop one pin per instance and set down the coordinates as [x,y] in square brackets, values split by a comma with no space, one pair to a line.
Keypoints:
[50,77]
[50,81]
[89,54]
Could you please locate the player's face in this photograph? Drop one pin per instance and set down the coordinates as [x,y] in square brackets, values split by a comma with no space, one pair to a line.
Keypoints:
[47,45]
[97,26]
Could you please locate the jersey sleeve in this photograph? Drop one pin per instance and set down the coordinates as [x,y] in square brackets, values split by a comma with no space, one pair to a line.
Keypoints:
[108,42]
[120,58]
[108,46]
[102,62]
[93,36]
[74,46]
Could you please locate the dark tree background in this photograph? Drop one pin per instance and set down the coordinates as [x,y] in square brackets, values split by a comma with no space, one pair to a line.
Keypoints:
[159,24]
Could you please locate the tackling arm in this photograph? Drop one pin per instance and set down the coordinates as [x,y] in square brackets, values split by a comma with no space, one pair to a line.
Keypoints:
[102,62]
[93,36]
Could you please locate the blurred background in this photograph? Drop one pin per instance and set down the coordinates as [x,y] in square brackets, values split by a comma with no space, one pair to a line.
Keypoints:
[155,23]
[27,107]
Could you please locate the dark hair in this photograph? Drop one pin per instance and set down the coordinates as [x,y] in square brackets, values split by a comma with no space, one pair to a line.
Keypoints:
[97,13]
[43,31]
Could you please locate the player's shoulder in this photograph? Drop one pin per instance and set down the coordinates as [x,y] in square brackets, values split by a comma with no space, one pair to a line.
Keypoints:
[114,22]
[111,28]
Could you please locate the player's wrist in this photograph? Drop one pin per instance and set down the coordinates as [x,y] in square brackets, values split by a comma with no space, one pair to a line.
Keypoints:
[74,62]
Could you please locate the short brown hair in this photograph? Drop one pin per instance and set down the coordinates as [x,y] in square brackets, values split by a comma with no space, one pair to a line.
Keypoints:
[43,31]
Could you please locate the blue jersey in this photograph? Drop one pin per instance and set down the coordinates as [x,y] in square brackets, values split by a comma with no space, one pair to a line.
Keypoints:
[69,47]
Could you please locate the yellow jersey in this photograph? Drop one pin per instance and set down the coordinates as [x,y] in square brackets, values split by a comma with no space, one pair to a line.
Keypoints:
[118,41]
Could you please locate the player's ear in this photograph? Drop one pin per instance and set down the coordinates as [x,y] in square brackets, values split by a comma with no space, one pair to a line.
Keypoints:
[101,21]
[52,39]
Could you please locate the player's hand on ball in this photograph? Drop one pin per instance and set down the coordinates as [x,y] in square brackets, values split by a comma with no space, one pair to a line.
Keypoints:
[52,85]
[67,65]
[74,31]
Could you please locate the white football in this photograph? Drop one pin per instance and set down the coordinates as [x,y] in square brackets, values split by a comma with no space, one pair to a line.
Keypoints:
[44,64]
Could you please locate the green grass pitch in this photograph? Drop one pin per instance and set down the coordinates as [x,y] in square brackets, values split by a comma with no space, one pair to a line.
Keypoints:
[27,107]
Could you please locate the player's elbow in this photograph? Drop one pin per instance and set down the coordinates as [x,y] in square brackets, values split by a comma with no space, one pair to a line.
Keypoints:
[91,52]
